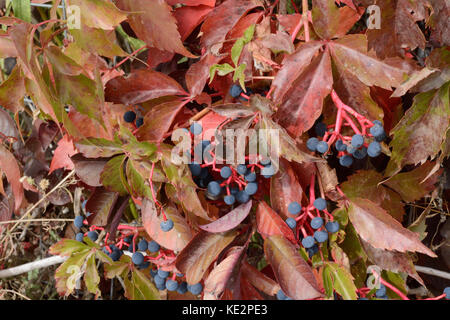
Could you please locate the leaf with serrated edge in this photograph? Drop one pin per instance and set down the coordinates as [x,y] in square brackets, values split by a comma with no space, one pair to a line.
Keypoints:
[269,223]
[342,282]
[382,231]
[292,272]
[230,220]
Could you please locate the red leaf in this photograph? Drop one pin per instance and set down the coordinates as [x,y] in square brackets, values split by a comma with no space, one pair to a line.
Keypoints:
[198,74]
[89,170]
[188,18]
[259,279]
[292,272]
[100,204]
[210,3]
[140,86]
[269,223]
[62,154]
[229,221]
[9,166]
[302,104]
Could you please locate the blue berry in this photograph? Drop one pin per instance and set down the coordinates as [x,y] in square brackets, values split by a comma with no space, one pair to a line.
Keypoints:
[180,275]
[196,128]
[346,160]
[214,188]
[163,274]
[317,223]
[251,188]
[144,265]
[322,147]
[234,191]
[242,196]
[158,280]
[139,122]
[79,237]
[281,295]
[235,90]
[308,242]
[242,169]
[320,204]
[153,246]
[294,207]
[137,258]
[357,140]
[142,245]
[360,153]
[128,239]
[268,172]
[195,168]
[115,255]
[182,288]
[195,289]
[332,226]
[374,149]
[265,161]
[225,172]
[161,286]
[229,200]
[378,122]
[166,225]
[313,250]
[204,173]
[377,130]
[92,235]
[340,145]
[447,293]
[78,222]
[129,116]
[381,137]
[381,291]
[320,129]
[321,236]
[171,285]
[291,223]
[311,144]
[250,177]
[153,273]
[351,149]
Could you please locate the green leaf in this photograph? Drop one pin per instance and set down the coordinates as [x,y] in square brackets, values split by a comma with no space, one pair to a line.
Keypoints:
[67,247]
[222,70]
[236,50]
[134,43]
[137,183]
[248,33]
[70,271]
[22,9]
[342,281]
[144,289]
[91,277]
[139,149]
[239,74]
[111,175]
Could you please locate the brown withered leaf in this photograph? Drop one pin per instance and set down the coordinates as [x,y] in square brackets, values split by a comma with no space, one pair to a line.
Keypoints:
[378,228]
[294,275]
[195,259]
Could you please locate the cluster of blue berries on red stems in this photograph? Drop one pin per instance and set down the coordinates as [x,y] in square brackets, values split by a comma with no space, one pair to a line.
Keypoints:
[130,117]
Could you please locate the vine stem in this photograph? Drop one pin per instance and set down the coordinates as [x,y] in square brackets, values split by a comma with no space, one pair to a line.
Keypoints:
[38,264]
[305,19]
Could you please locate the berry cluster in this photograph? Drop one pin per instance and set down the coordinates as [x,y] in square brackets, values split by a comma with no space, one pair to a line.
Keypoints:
[365,140]
[227,183]
[163,281]
[131,117]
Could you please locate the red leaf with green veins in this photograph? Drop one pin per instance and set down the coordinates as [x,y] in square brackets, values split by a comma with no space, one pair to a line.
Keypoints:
[381,231]
[153,22]
[302,104]
[269,223]
[230,220]
[292,272]
[140,86]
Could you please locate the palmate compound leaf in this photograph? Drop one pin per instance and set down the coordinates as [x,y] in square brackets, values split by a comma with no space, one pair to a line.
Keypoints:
[226,275]
[195,259]
[230,220]
[292,272]
[422,130]
[375,226]
[175,239]
[269,223]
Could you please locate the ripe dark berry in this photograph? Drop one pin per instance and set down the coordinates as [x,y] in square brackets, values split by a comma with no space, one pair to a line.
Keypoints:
[182,288]
[214,188]
[242,196]
[311,144]
[195,289]
[447,293]
[242,169]
[79,237]
[332,226]
[171,285]
[153,273]
[251,188]
[128,239]
[351,149]
[374,149]
[161,286]
[167,225]
[291,223]
[163,274]
[265,161]
[321,236]
[268,172]
[137,258]
[225,172]
[235,90]
[139,122]
[142,245]
[196,128]
[93,235]
[346,161]
[153,246]
[360,153]
[78,222]
[357,140]
[381,291]
[229,200]
[294,207]
[317,223]
[144,265]
[377,130]
[322,147]
[129,116]
[281,295]
[320,129]
[115,255]
[320,204]
[308,242]
[250,177]
[158,280]
[340,145]
[313,250]
[195,168]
